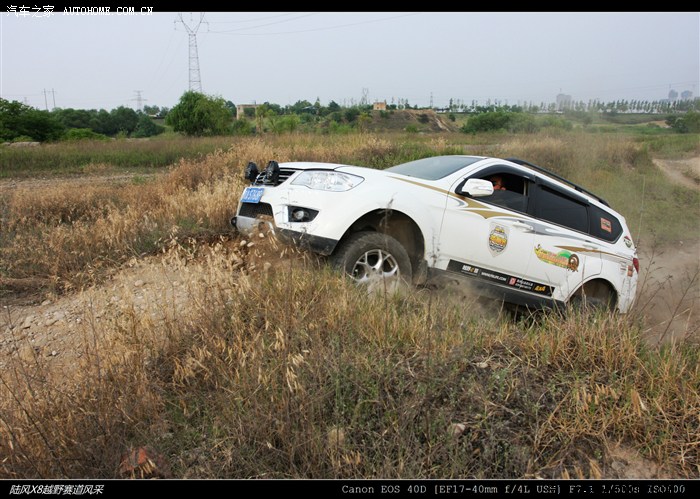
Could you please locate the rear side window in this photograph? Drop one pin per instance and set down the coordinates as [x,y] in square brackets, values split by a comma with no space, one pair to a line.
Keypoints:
[604,225]
[560,209]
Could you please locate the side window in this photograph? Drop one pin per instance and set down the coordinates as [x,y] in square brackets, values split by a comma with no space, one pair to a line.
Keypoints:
[604,225]
[510,191]
[560,209]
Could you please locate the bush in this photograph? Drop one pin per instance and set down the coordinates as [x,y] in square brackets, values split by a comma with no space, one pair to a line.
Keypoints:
[487,122]
[556,122]
[522,123]
[147,128]
[688,123]
[351,114]
[242,127]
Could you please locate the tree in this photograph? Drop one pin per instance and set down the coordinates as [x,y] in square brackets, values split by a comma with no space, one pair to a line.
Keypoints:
[146,127]
[301,106]
[333,107]
[351,114]
[75,118]
[103,122]
[125,119]
[20,120]
[198,114]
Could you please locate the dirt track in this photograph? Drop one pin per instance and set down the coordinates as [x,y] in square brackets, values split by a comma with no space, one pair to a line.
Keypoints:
[681,171]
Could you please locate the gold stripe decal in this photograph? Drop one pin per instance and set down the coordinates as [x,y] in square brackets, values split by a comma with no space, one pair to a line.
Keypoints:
[471,207]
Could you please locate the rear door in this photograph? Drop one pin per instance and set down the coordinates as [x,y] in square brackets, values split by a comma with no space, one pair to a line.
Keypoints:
[564,254]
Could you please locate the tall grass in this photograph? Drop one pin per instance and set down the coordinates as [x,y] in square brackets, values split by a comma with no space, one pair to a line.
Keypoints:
[292,372]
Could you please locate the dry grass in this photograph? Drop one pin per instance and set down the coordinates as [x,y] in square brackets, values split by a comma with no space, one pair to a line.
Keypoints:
[286,370]
[292,372]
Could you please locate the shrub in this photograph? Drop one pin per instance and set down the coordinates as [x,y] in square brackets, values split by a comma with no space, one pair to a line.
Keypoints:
[487,122]
[147,128]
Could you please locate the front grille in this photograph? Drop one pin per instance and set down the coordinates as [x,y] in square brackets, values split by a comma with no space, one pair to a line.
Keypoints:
[285,173]
[254,210]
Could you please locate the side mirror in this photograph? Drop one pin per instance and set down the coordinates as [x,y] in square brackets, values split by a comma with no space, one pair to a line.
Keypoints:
[476,188]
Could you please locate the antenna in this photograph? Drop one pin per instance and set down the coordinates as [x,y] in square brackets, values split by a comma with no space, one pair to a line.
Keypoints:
[195,78]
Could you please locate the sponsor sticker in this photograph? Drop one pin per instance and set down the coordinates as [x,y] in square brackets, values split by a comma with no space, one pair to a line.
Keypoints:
[606,225]
[499,278]
[564,259]
[498,239]
[628,241]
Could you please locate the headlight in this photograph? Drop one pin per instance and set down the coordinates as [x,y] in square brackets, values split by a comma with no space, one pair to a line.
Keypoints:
[327,180]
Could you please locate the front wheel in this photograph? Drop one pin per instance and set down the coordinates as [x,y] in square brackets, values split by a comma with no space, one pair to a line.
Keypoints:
[374,259]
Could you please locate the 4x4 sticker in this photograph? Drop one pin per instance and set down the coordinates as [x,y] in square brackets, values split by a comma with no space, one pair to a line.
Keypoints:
[564,259]
[499,278]
[498,239]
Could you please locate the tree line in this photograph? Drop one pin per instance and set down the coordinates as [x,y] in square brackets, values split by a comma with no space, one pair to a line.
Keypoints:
[197,114]
[20,122]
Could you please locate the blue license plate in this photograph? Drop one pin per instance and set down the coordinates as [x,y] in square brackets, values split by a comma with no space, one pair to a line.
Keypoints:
[252,194]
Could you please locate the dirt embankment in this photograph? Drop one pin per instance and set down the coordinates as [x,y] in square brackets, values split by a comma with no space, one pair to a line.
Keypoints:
[685,172]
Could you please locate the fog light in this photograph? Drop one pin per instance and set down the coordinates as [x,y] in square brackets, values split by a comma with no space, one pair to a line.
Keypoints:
[299,215]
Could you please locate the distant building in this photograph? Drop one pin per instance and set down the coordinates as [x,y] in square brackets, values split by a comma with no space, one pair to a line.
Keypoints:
[686,95]
[563,102]
[672,95]
[240,109]
[379,106]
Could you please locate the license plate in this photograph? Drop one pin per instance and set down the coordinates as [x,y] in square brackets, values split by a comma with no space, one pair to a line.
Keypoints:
[252,194]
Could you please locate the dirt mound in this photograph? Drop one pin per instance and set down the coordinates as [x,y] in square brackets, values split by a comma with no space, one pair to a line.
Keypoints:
[418,120]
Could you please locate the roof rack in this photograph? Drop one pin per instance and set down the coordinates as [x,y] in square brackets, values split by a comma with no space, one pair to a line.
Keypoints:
[558,177]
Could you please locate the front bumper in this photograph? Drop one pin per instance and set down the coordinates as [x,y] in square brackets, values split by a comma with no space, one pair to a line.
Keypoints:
[317,244]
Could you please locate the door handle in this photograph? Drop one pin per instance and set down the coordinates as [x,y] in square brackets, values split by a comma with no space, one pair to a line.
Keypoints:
[592,246]
[523,226]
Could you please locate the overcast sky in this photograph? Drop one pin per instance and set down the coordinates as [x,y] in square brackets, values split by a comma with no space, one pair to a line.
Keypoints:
[93,62]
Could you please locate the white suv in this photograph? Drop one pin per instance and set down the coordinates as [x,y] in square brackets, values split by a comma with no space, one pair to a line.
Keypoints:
[541,242]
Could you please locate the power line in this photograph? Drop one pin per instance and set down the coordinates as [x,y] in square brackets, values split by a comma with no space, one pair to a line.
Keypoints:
[249,20]
[234,32]
[267,24]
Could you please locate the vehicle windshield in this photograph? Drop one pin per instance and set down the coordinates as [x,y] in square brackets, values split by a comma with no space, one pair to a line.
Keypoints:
[433,168]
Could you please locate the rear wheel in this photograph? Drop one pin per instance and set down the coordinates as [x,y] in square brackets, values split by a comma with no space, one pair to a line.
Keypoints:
[375,260]
[593,297]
